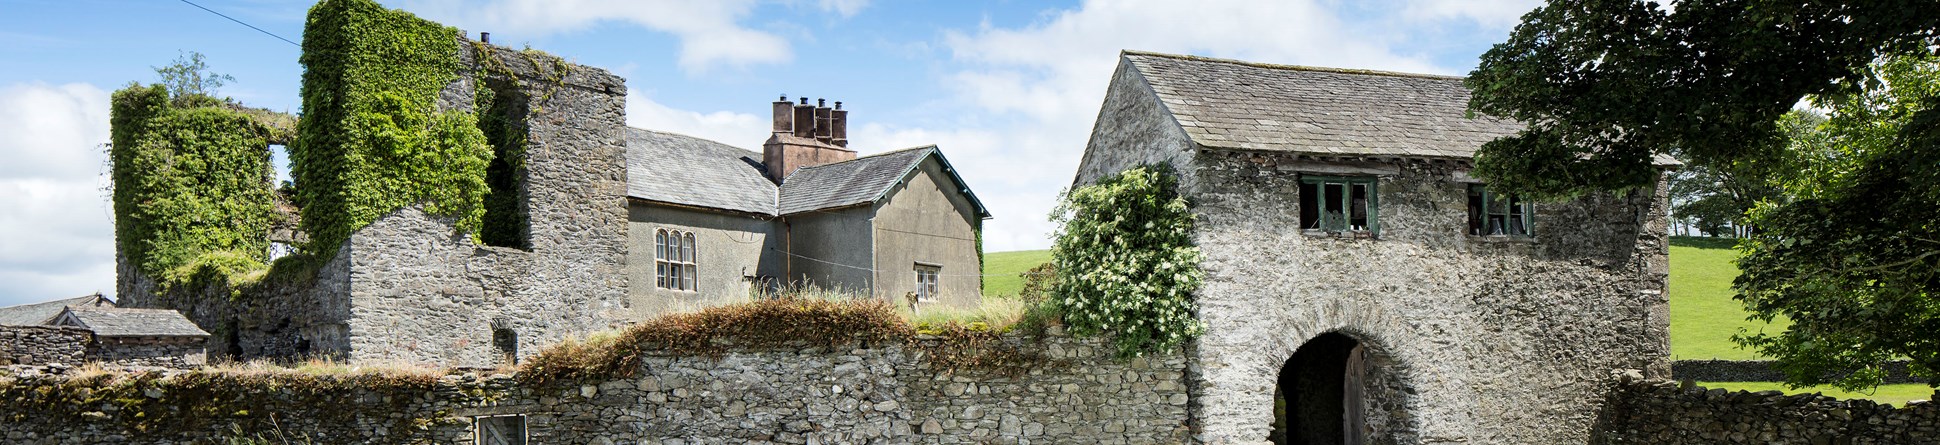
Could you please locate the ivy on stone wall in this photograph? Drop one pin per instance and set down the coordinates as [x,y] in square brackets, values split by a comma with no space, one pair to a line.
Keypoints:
[192,182]
[372,140]
[1126,265]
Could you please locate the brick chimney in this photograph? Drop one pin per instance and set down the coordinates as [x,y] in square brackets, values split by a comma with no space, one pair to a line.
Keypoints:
[805,135]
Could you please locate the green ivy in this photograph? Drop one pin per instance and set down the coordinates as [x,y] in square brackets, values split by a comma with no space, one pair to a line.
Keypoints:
[371,140]
[191,182]
[1126,265]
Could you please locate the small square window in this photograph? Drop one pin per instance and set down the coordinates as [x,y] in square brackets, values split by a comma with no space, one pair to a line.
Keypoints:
[1336,205]
[500,430]
[1498,214]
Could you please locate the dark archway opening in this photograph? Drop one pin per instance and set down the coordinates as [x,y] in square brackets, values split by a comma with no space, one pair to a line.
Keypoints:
[1319,399]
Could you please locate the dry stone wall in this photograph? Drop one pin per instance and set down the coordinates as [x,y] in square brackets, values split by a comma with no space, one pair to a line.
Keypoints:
[1660,412]
[40,345]
[166,352]
[1762,371]
[857,393]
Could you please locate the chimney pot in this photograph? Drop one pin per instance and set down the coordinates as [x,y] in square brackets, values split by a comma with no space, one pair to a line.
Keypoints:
[485,37]
[821,103]
[784,98]
[838,105]
[804,100]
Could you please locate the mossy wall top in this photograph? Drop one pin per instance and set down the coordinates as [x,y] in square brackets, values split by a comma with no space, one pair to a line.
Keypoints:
[191,178]
[372,140]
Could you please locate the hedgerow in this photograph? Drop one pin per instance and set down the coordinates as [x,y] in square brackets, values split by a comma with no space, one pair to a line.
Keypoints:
[371,140]
[1125,261]
[780,323]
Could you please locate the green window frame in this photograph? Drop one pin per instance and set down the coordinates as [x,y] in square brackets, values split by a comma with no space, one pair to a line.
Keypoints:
[1340,204]
[1499,214]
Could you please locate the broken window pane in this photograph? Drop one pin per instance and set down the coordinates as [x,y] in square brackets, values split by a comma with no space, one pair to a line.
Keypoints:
[500,430]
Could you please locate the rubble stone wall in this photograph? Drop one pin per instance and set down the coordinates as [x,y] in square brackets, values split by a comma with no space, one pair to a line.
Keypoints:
[1660,412]
[40,345]
[166,352]
[1762,371]
[884,393]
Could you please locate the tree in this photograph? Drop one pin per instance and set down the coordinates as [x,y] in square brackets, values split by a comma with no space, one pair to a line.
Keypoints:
[1714,198]
[1851,254]
[189,75]
[1605,86]
[1846,247]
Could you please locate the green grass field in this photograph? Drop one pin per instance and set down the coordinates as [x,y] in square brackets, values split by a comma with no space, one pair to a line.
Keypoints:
[1703,315]
[1002,269]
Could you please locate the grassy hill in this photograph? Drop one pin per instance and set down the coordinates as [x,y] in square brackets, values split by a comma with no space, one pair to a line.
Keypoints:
[1703,315]
[1002,269]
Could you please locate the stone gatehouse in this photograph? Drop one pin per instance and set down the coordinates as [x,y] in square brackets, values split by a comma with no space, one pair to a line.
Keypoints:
[1360,278]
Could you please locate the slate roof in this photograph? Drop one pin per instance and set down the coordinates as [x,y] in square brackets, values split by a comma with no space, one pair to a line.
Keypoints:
[842,184]
[690,171]
[687,170]
[130,322]
[1319,111]
[44,312]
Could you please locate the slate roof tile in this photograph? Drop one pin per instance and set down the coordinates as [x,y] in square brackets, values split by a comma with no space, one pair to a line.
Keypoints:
[1234,104]
[35,314]
[691,171]
[848,183]
[130,322]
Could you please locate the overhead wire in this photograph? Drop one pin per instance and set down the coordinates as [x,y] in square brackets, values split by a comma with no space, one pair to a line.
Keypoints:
[233,19]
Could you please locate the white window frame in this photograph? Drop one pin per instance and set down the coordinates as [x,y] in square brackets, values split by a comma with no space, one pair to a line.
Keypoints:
[675,260]
[926,281]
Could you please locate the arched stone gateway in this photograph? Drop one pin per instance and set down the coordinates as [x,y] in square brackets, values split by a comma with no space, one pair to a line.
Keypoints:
[1335,391]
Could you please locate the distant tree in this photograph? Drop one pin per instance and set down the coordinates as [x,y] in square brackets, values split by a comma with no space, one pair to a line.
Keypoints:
[189,75]
[1713,198]
[1849,248]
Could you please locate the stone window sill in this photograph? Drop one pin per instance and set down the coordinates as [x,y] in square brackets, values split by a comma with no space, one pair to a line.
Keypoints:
[1502,239]
[1356,235]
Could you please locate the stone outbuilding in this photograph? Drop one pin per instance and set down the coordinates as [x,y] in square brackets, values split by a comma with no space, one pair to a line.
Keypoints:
[138,337]
[1358,276]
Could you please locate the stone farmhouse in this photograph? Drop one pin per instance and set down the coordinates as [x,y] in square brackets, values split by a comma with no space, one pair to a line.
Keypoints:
[1358,275]
[615,225]
[710,223]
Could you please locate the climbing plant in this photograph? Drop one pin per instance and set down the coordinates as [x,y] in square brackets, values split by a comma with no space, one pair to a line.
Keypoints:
[1126,265]
[372,139]
[191,181]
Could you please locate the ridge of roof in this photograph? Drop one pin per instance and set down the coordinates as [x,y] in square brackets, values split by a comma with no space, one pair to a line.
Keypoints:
[1322,69]
[859,158]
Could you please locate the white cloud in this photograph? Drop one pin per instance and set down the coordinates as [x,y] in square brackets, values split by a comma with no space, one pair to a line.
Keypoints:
[1494,13]
[1034,90]
[58,226]
[710,32]
[845,8]
[742,130]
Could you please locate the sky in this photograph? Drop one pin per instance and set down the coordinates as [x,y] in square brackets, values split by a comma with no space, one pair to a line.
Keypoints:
[1008,89]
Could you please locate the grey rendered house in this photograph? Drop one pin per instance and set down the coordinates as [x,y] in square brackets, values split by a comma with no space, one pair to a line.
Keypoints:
[711,224]
[1359,276]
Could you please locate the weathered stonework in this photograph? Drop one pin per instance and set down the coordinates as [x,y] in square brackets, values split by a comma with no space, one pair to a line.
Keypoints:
[1659,412]
[851,394]
[40,345]
[165,352]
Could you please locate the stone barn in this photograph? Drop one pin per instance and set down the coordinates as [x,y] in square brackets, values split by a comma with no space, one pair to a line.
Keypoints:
[138,337]
[1361,286]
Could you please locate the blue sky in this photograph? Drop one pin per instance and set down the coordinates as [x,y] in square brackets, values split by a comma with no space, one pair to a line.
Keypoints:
[1008,89]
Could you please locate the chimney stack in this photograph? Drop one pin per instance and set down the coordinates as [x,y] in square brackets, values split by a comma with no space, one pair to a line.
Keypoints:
[822,120]
[805,136]
[839,127]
